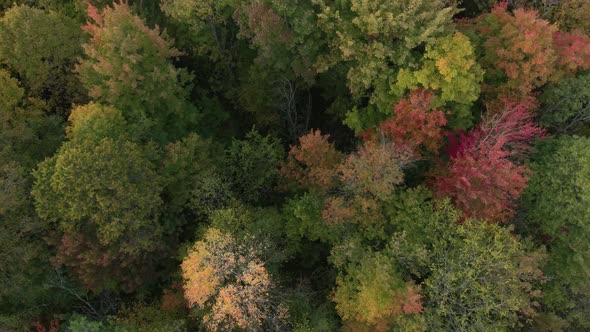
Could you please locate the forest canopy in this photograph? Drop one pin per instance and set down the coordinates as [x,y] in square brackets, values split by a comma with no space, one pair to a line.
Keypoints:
[310,165]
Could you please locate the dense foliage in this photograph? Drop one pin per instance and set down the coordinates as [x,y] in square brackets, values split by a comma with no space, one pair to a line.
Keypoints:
[310,165]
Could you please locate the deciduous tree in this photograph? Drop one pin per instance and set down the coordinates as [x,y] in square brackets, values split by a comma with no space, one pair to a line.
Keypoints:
[42,48]
[482,178]
[449,67]
[375,39]
[481,277]
[518,50]
[415,124]
[556,206]
[227,280]
[127,65]
[313,163]
[374,293]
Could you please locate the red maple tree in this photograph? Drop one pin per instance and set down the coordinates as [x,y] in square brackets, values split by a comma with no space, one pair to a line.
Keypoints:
[415,123]
[482,176]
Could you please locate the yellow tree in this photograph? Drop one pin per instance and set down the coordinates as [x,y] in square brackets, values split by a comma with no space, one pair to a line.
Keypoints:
[227,280]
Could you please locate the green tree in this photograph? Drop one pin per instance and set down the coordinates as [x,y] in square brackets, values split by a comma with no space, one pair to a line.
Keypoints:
[27,132]
[565,105]
[449,66]
[252,166]
[476,276]
[127,65]
[556,205]
[110,184]
[209,21]
[24,258]
[189,173]
[42,48]
[374,293]
[104,197]
[376,39]
[482,278]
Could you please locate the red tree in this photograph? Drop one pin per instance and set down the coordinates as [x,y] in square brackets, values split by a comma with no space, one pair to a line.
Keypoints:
[415,123]
[519,54]
[482,177]
[313,163]
[573,50]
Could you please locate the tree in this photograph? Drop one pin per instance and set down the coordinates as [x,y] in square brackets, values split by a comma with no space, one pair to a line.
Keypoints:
[415,124]
[104,196]
[313,163]
[518,51]
[127,65]
[556,206]
[93,122]
[376,39]
[481,177]
[374,170]
[450,68]
[227,280]
[374,293]
[25,267]
[42,48]
[188,171]
[573,50]
[482,278]
[252,166]
[27,132]
[209,21]
[523,52]
[284,35]
[565,106]
[475,275]
[572,15]
[277,84]
[111,184]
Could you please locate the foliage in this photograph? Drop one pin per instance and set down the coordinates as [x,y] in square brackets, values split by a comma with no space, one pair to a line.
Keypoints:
[231,282]
[573,51]
[142,317]
[42,48]
[25,262]
[523,52]
[101,195]
[376,39]
[187,165]
[207,20]
[93,122]
[482,279]
[416,124]
[481,178]
[27,132]
[284,35]
[375,169]
[127,65]
[373,292]
[312,164]
[252,166]
[449,66]
[556,204]
[519,53]
[565,106]
[110,184]
[573,14]
[304,219]
[144,184]
[80,323]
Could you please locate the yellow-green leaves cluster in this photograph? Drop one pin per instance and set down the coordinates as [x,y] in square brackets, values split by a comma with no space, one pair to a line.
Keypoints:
[450,68]
[376,39]
[107,185]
